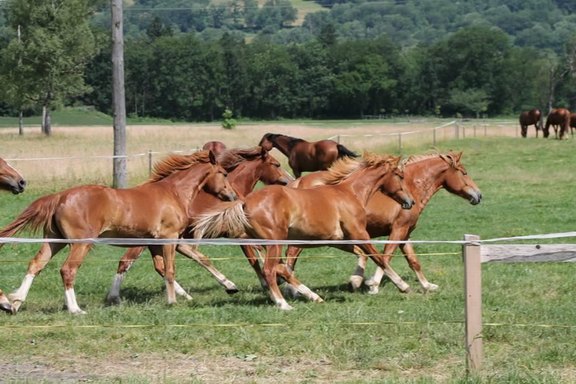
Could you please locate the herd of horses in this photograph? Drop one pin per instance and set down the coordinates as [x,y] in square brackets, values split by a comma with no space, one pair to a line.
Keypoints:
[211,193]
[561,120]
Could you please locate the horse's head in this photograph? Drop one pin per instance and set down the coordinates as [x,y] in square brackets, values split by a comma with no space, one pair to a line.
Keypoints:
[270,170]
[10,179]
[393,183]
[267,141]
[216,183]
[457,180]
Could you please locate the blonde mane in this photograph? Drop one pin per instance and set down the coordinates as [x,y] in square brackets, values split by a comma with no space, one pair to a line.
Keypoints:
[451,158]
[346,166]
[174,162]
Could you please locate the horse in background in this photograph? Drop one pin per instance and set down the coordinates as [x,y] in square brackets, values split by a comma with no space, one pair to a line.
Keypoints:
[531,117]
[304,156]
[156,209]
[559,119]
[572,123]
[10,179]
[217,147]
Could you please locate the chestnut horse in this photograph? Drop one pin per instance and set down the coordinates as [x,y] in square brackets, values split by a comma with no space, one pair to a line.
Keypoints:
[531,117]
[328,212]
[156,209]
[559,118]
[245,168]
[10,179]
[424,175]
[304,156]
[215,146]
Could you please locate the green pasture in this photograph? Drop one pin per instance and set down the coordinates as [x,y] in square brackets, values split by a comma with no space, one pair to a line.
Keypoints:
[528,308]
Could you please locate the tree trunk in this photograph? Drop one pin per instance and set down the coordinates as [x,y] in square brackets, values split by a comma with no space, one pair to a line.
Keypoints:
[46,121]
[21,123]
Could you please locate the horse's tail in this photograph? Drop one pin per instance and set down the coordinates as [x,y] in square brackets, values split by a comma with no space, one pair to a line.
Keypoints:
[343,151]
[229,221]
[37,216]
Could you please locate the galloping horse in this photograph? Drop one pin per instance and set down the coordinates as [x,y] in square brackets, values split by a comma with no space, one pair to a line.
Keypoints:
[328,212]
[304,156]
[10,180]
[245,168]
[559,118]
[215,146]
[156,209]
[531,117]
[423,176]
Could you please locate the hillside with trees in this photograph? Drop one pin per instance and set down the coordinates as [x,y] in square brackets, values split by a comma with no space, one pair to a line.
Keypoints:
[191,60]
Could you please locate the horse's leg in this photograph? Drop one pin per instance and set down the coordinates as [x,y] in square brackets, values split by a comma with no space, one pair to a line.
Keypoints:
[35,266]
[5,303]
[168,253]
[250,253]
[127,260]
[383,262]
[357,276]
[292,253]
[68,272]
[283,271]
[413,262]
[271,263]
[191,251]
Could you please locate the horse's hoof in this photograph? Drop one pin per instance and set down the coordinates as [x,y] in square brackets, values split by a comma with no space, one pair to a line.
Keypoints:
[355,283]
[112,300]
[431,287]
[232,291]
[406,289]
[6,307]
[16,304]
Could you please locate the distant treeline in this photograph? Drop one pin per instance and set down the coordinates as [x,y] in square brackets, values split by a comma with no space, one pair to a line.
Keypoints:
[472,72]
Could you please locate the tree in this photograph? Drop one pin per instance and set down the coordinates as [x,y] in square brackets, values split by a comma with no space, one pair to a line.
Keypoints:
[49,58]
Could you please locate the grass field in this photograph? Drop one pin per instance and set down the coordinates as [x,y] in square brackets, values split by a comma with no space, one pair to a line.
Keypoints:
[529,311]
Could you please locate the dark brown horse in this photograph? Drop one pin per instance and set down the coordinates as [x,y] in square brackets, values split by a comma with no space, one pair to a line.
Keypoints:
[156,209]
[245,168]
[215,146]
[572,123]
[10,179]
[328,212]
[304,156]
[423,176]
[531,117]
[559,119]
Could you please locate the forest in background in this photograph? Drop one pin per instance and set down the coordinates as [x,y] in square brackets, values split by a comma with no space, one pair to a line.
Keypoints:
[193,60]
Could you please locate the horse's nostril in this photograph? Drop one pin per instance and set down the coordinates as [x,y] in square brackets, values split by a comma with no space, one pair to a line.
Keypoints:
[22,183]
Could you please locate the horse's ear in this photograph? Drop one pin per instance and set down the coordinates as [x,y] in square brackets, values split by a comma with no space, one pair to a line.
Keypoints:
[458,156]
[212,157]
[264,152]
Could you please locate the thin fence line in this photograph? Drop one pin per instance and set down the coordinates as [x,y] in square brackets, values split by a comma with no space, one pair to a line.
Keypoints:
[226,241]
[277,325]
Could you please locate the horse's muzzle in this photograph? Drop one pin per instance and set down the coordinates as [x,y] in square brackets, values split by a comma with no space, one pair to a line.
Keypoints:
[474,196]
[407,203]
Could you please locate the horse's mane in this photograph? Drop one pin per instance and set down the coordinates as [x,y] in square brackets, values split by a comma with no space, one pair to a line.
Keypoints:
[451,158]
[175,162]
[231,158]
[292,141]
[345,166]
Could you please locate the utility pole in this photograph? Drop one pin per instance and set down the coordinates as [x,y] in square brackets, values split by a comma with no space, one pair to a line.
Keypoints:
[118,97]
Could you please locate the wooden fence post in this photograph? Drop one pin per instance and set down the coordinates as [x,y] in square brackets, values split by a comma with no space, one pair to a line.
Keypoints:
[473,292]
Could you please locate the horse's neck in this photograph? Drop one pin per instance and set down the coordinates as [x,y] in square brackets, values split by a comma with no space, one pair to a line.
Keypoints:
[282,144]
[186,182]
[362,185]
[424,179]
[243,179]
